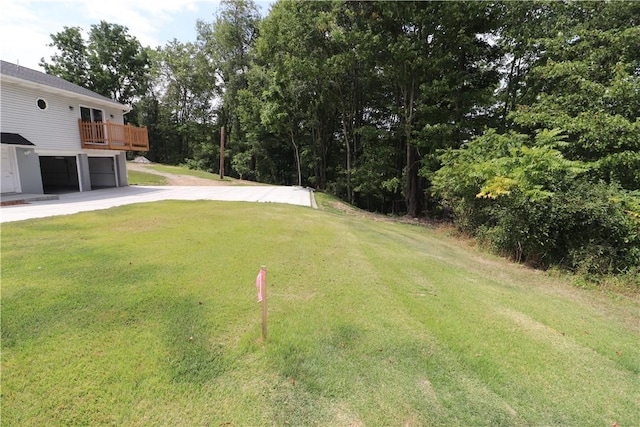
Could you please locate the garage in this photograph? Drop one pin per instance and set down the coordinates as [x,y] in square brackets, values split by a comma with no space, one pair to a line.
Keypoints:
[59,174]
[63,174]
[102,172]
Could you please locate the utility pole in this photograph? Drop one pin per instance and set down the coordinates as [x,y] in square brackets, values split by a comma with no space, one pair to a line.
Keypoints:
[222,152]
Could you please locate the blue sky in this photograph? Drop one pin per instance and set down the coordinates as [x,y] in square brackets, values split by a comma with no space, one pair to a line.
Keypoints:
[26,25]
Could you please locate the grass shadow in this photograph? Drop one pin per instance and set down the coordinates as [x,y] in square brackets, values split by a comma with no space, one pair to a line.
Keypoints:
[193,357]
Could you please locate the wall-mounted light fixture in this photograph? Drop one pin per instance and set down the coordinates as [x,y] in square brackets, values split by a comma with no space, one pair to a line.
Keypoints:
[71,107]
[111,115]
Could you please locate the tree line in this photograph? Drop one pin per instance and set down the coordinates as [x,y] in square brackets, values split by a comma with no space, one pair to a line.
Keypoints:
[518,120]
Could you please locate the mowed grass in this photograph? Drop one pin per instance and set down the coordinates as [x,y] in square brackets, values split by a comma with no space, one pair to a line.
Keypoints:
[181,170]
[147,315]
[145,178]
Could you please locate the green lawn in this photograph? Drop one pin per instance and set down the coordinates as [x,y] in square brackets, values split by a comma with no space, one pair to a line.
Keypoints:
[147,315]
[145,178]
[181,170]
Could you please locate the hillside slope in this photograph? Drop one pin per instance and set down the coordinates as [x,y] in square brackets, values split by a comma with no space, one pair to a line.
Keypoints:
[147,314]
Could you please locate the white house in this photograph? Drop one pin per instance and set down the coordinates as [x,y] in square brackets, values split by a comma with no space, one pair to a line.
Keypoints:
[58,136]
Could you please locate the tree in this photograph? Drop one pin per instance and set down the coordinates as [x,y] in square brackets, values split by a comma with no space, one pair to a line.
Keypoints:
[364,68]
[267,153]
[111,63]
[289,48]
[521,26]
[71,63]
[118,63]
[227,43]
[587,83]
[187,90]
[551,192]
[443,66]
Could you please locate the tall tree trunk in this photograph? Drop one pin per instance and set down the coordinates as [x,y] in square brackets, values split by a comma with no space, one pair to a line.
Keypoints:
[413,190]
[297,154]
[348,148]
[326,149]
[413,193]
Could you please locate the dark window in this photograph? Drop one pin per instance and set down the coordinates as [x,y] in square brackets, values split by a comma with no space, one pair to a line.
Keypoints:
[90,114]
[42,104]
[85,114]
[94,133]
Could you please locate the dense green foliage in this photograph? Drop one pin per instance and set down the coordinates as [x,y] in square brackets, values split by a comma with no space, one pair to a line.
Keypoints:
[562,190]
[361,99]
[528,201]
[111,63]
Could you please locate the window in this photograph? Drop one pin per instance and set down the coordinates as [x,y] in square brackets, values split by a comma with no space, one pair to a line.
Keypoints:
[93,129]
[42,104]
[90,114]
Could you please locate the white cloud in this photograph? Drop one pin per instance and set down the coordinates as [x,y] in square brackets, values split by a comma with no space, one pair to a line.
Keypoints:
[26,25]
[23,35]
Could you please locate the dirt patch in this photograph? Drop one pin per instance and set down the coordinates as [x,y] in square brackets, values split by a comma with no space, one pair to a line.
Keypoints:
[13,203]
[177,179]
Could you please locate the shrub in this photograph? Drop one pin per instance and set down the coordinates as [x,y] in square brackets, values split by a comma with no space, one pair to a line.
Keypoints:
[526,201]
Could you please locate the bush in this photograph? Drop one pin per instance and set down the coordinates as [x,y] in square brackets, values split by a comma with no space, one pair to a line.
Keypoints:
[526,201]
[194,164]
[585,228]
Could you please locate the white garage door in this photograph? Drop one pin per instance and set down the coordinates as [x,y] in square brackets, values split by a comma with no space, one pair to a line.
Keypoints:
[8,168]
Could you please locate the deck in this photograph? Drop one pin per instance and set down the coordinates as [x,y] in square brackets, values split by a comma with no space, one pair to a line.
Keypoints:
[113,136]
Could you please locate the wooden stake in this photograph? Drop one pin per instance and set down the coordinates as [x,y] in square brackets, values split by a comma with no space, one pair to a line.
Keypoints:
[263,272]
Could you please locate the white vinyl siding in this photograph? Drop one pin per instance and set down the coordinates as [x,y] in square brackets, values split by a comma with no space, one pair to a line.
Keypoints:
[52,129]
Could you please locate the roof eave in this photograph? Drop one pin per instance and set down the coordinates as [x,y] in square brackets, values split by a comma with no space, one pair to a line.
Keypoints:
[114,104]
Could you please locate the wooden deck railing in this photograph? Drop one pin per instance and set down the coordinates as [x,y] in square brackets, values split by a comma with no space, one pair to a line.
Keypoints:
[112,136]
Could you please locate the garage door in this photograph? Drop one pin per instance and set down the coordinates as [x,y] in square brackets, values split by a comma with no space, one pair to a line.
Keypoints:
[103,172]
[59,174]
[9,172]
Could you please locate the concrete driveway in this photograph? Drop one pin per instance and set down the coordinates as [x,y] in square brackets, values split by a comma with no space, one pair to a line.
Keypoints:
[103,199]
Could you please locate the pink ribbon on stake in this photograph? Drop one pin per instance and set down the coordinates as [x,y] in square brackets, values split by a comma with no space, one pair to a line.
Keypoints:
[260,283]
